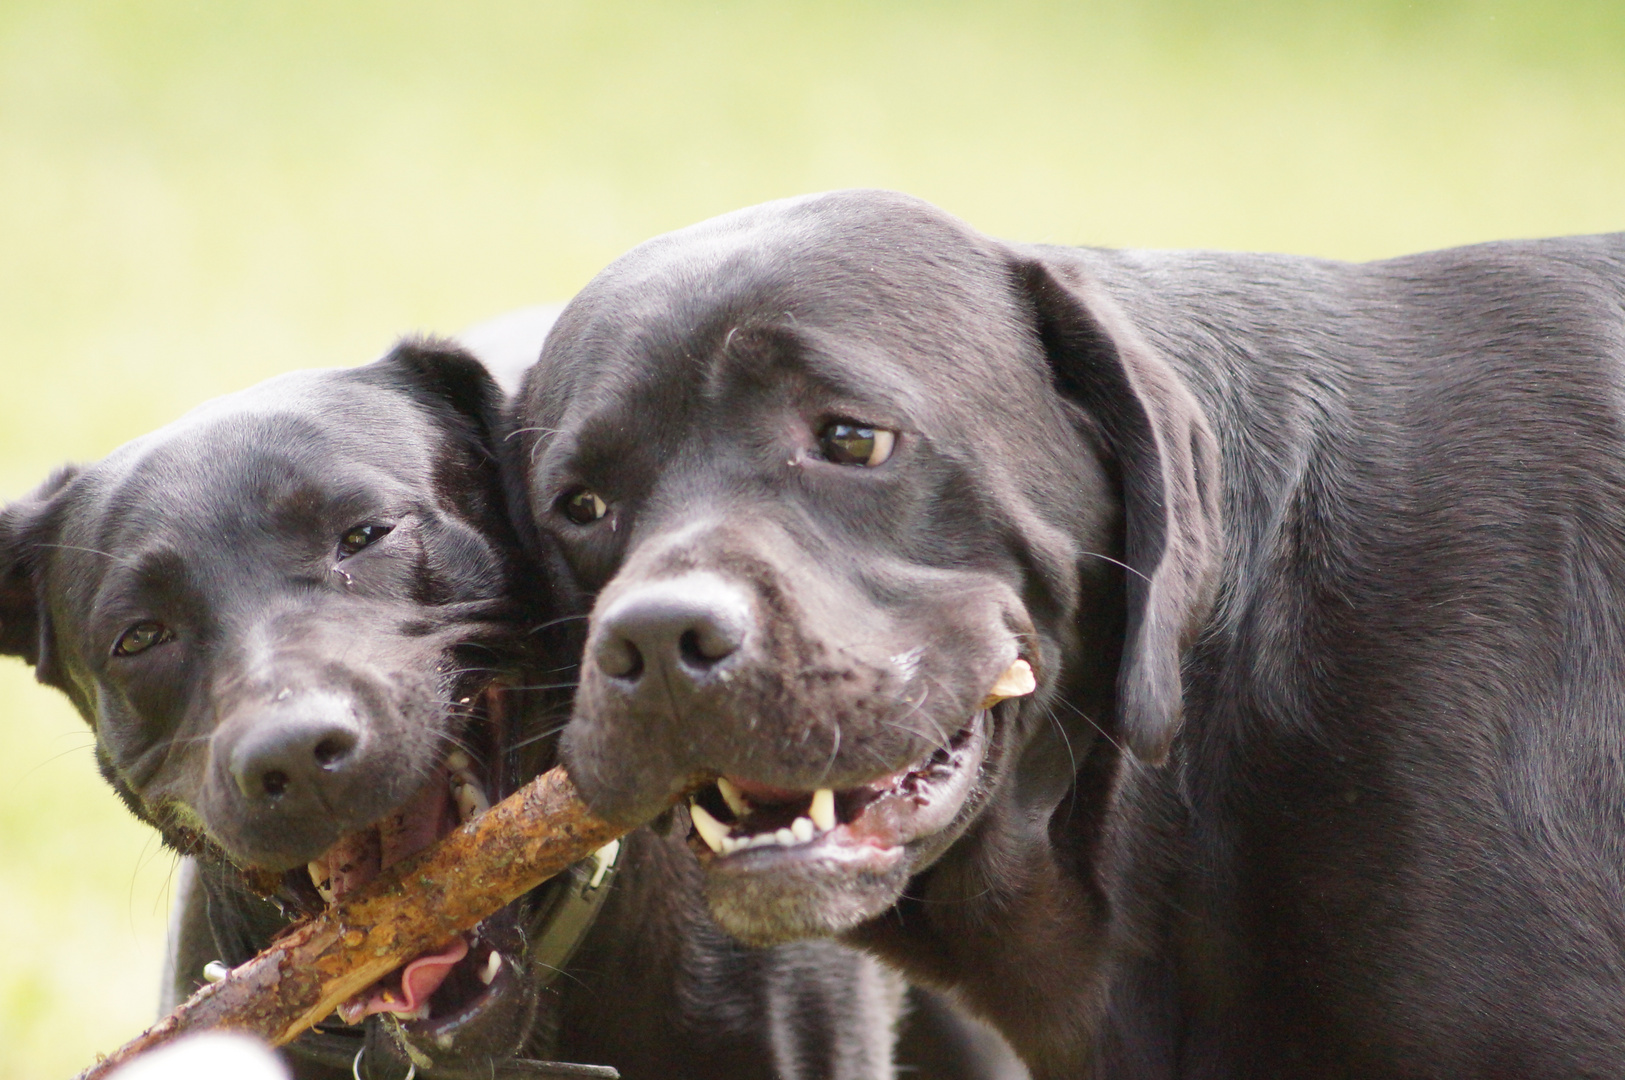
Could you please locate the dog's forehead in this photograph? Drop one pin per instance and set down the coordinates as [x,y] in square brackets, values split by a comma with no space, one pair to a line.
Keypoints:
[289,448]
[856,290]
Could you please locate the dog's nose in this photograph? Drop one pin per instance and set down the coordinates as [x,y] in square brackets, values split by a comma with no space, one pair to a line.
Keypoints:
[290,755]
[687,627]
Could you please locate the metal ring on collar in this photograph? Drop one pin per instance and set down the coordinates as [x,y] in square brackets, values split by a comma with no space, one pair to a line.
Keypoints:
[355,1066]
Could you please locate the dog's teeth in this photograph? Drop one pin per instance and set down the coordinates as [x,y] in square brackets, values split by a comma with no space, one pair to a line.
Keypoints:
[734,798]
[822,811]
[786,838]
[1017,681]
[322,879]
[214,971]
[804,829]
[712,831]
[457,761]
[493,964]
[471,801]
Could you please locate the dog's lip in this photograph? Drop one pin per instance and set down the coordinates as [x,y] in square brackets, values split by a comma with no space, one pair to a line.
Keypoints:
[456,793]
[873,822]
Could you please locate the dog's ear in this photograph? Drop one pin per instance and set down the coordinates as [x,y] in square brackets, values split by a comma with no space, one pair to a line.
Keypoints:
[447,378]
[25,626]
[1169,463]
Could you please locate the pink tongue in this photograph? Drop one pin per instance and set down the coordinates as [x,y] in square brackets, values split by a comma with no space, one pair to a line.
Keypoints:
[419,979]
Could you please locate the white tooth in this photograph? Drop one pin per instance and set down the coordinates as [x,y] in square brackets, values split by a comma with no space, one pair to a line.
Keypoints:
[822,810]
[763,840]
[321,878]
[785,837]
[804,829]
[1017,681]
[471,801]
[457,761]
[731,844]
[214,971]
[712,831]
[493,964]
[734,798]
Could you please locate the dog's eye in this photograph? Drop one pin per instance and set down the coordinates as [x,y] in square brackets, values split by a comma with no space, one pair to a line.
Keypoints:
[846,443]
[359,537]
[583,506]
[141,637]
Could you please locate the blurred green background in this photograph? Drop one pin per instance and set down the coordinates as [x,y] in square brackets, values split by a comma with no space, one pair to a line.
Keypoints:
[197,195]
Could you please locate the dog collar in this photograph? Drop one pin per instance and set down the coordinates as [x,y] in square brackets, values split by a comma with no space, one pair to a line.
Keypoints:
[575,897]
[573,911]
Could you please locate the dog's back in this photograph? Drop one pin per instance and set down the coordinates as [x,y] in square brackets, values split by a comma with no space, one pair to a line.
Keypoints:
[1404,756]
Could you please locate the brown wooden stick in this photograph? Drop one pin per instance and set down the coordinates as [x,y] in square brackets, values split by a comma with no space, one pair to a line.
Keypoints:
[412,908]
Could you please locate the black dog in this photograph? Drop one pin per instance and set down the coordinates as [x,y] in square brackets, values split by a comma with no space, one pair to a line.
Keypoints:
[296,623]
[1340,547]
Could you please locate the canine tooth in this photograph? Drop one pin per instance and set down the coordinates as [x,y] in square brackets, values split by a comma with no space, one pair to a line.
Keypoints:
[734,798]
[471,801]
[712,831]
[822,810]
[322,878]
[804,829]
[214,971]
[457,761]
[1017,681]
[493,964]
[786,838]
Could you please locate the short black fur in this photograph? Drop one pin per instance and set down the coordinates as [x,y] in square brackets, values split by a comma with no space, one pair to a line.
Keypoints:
[1337,545]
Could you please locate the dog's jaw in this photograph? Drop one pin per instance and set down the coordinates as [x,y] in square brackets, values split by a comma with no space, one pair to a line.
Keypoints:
[848,858]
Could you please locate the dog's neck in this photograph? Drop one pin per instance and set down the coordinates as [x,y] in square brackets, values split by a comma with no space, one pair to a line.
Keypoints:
[1043,943]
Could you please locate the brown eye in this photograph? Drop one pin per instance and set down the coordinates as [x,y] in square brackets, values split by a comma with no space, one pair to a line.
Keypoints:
[141,637]
[846,443]
[359,537]
[583,506]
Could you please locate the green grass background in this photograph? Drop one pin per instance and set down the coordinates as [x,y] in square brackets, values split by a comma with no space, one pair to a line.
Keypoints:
[197,195]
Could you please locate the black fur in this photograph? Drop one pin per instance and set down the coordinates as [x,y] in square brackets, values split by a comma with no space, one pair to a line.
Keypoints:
[1318,565]
[225,529]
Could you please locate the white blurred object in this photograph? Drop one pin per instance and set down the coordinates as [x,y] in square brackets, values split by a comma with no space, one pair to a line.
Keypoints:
[212,1055]
[508,344]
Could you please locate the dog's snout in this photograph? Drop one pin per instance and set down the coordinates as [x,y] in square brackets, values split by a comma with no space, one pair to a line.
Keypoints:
[687,626]
[291,755]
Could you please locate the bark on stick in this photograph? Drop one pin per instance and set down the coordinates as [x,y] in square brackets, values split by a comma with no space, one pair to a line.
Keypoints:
[412,908]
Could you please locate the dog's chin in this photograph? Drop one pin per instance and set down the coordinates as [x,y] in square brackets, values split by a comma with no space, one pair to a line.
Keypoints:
[782,864]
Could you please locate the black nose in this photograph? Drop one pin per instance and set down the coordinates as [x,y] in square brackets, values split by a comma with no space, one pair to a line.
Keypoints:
[290,755]
[687,627]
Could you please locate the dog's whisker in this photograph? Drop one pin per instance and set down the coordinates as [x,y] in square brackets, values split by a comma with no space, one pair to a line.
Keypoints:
[119,560]
[1117,562]
[562,619]
[540,736]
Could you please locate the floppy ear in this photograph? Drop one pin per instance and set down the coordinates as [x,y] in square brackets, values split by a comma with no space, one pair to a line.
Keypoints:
[25,628]
[1170,476]
[447,378]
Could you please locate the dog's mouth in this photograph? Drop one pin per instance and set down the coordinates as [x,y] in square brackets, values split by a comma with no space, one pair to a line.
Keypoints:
[783,863]
[440,992]
[744,824]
